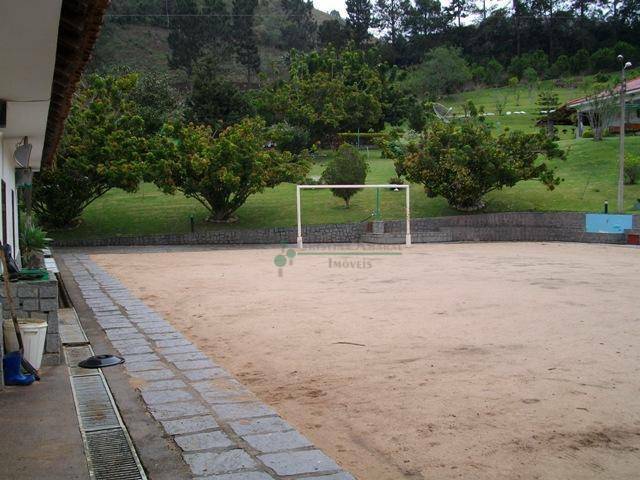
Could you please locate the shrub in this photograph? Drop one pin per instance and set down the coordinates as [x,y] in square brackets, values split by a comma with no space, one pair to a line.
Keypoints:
[462,161]
[348,167]
[33,240]
[631,168]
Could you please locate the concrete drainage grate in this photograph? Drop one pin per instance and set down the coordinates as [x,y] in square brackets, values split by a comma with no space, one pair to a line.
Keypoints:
[75,355]
[95,409]
[108,448]
[110,456]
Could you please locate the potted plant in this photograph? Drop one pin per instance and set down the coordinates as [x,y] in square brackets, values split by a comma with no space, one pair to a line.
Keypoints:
[33,241]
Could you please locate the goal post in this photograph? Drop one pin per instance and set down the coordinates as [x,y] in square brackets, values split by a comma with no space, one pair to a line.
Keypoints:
[406,188]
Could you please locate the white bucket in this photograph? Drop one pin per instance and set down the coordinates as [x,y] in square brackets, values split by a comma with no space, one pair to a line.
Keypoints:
[10,339]
[33,338]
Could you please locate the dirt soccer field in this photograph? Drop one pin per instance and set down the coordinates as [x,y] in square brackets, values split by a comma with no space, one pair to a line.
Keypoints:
[474,361]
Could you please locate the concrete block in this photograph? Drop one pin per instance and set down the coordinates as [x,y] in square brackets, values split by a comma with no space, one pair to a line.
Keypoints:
[194,364]
[298,463]
[26,290]
[49,290]
[29,304]
[209,373]
[240,476]
[203,441]
[52,343]
[177,410]
[162,385]
[235,411]
[48,304]
[189,425]
[156,397]
[217,463]
[142,366]
[276,442]
[335,476]
[260,425]
[154,374]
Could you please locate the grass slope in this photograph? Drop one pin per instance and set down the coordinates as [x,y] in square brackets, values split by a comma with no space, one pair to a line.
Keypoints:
[590,174]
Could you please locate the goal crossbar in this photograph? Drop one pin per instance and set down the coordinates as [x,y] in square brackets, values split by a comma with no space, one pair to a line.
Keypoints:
[406,188]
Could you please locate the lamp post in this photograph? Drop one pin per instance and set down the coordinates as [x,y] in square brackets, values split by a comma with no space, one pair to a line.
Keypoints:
[623,88]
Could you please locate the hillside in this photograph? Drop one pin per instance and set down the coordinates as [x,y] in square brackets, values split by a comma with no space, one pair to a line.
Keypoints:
[143,47]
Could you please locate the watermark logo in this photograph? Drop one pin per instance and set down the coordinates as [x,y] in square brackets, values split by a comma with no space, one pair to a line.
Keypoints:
[339,256]
[281,260]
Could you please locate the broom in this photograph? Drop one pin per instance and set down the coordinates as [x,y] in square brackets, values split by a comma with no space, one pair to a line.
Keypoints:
[7,291]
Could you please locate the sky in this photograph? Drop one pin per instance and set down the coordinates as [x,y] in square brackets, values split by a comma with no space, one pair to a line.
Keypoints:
[328,5]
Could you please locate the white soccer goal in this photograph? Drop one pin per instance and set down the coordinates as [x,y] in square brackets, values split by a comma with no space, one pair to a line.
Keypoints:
[406,188]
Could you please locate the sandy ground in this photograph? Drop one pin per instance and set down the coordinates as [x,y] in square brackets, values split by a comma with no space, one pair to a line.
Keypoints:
[492,361]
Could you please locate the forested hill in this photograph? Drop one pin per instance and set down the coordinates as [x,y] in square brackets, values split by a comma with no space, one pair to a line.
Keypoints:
[526,41]
[135,34]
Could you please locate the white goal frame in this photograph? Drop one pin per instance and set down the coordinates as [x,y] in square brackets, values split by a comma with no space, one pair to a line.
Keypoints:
[406,188]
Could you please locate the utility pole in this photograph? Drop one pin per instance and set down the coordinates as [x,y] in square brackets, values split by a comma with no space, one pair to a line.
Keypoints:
[623,89]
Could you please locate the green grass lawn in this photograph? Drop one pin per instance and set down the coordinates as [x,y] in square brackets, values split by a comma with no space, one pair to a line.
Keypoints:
[590,175]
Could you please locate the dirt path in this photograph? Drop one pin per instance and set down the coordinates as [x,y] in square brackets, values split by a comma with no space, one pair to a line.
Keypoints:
[497,361]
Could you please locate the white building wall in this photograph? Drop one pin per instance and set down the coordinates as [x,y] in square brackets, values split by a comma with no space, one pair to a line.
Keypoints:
[8,175]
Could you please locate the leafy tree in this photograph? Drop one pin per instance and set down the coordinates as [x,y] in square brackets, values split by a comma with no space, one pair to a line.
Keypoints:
[462,161]
[191,32]
[329,93]
[548,102]
[103,147]
[245,37]
[155,100]
[425,18]
[221,172]
[214,101]
[333,33]
[389,16]
[298,30]
[347,167]
[631,169]
[443,71]
[530,77]
[359,20]
[460,9]
[601,109]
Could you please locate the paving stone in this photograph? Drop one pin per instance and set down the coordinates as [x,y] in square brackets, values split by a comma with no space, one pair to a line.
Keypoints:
[123,334]
[179,357]
[142,366]
[143,357]
[165,336]
[130,342]
[225,396]
[156,397]
[155,374]
[134,349]
[110,325]
[260,425]
[180,349]
[203,441]
[215,463]
[195,364]
[162,385]
[296,463]
[335,476]
[166,411]
[234,411]
[159,329]
[276,442]
[205,374]
[240,476]
[189,425]
[172,342]
[222,385]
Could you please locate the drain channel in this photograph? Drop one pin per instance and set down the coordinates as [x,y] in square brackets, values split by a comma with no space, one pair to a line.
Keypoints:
[110,456]
[95,410]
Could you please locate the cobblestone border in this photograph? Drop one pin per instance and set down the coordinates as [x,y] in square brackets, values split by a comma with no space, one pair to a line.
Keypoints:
[222,429]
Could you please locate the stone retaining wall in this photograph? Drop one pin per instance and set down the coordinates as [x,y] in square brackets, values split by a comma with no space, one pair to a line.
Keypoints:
[37,301]
[517,226]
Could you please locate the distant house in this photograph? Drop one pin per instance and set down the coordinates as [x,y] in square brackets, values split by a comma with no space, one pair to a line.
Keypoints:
[45,46]
[632,110]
